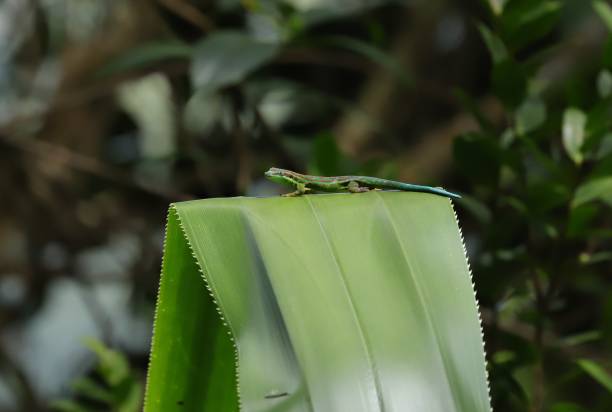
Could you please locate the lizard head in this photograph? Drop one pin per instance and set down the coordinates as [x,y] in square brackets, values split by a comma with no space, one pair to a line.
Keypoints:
[279,176]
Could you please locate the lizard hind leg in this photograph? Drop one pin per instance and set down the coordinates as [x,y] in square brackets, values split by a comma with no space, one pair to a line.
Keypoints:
[354,187]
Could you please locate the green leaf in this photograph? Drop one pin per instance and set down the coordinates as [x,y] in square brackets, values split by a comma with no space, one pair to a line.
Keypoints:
[478,209]
[496,46]
[67,406]
[581,219]
[469,104]
[496,6]
[524,22]
[574,124]
[509,82]
[374,54]
[567,407]
[131,397]
[530,115]
[478,158]
[605,146]
[594,258]
[605,12]
[599,189]
[89,388]
[335,303]
[227,57]
[604,83]
[607,53]
[581,338]
[146,55]
[596,372]
[113,365]
[326,156]
[192,357]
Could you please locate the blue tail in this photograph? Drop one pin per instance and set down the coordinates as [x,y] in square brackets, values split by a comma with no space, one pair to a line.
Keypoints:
[429,189]
[419,188]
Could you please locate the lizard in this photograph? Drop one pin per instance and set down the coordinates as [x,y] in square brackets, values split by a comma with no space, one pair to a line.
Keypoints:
[353,184]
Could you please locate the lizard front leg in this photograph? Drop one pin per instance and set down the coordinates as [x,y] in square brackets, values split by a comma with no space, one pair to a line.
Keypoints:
[300,189]
[354,187]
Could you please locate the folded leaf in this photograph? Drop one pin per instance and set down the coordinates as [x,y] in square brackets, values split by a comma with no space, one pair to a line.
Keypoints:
[334,302]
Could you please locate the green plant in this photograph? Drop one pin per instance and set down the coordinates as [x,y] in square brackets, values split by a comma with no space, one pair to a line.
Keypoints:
[114,388]
[540,191]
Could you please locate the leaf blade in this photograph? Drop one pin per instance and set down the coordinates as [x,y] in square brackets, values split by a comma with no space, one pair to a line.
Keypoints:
[574,130]
[312,295]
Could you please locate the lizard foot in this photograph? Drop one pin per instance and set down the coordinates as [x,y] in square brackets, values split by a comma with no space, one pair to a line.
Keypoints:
[354,187]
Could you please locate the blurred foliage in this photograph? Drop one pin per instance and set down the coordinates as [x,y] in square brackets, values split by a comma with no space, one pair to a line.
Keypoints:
[118,391]
[110,110]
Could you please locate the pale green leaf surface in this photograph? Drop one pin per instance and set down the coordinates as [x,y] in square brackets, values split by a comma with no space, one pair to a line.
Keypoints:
[574,124]
[343,302]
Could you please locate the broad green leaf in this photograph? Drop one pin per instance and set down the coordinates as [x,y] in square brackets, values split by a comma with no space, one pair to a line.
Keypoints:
[574,124]
[596,372]
[605,12]
[227,57]
[192,358]
[530,115]
[146,55]
[335,303]
[598,189]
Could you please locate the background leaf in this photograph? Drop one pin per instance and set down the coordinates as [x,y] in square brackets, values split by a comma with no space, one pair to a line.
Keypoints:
[605,12]
[597,373]
[227,57]
[574,124]
[594,190]
[530,115]
[147,55]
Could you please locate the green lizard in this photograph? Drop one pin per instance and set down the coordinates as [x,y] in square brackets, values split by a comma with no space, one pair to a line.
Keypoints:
[354,184]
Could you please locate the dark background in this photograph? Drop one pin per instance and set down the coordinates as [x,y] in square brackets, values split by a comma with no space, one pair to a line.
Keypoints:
[111,110]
